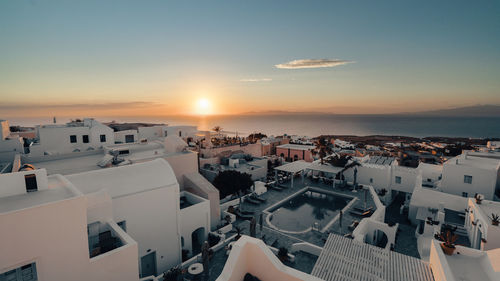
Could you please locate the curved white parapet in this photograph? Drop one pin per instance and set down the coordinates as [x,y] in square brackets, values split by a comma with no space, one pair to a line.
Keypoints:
[307,248]
[250,255]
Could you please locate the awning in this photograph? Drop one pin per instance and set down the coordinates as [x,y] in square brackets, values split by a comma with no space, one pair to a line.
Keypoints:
[294,167]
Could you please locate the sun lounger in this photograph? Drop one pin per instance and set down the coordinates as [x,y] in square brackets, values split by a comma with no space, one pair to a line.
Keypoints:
[247,212]
[243,216]
[252,201]
[353,225]
[362,210]
[361,214]
[258,198]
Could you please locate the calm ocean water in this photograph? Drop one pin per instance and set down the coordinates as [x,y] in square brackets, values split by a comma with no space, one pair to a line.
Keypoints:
[314,125]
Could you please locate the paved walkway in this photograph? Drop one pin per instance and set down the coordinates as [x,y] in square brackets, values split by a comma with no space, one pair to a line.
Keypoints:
[406,242]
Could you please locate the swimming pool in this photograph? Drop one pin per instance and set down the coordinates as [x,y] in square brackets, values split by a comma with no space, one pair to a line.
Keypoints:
[299,212]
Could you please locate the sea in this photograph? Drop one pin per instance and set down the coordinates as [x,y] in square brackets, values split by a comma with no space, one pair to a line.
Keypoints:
[317,124]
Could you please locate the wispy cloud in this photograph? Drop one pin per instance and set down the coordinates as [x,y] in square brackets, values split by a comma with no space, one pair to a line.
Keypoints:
[256,80]
[312,63]
[104,105]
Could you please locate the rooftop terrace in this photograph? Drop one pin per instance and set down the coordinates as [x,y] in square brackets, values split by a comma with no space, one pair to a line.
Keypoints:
[59,190]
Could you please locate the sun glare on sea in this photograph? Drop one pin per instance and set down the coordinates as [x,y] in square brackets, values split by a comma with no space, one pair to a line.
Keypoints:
[203,107]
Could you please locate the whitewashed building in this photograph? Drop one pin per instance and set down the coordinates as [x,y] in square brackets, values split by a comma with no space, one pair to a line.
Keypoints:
[48,233]
[483,234]
[9,144]
[76,136]
[466,175]
[126,136]
[161,131]
[146,203]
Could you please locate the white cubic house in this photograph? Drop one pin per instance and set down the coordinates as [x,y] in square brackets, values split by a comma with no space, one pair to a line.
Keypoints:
[468,174]
[47,233]
[75,136]
[147,204]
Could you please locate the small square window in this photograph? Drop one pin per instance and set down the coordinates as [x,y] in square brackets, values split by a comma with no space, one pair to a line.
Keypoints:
[103,138]
[85,138]
[371,180]
[465,194]
[468,179]
[398,179]
[72,138]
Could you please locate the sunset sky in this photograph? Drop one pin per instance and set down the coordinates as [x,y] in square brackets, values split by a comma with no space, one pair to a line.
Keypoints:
[223,57]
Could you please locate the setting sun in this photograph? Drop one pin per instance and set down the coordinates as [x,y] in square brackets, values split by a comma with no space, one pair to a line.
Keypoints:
[203,107]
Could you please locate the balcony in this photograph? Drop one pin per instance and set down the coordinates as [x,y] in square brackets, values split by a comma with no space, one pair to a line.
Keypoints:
[188,199]
[103,238]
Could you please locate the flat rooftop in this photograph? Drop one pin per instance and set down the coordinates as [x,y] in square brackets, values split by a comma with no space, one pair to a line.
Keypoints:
[469,268]
[80,164]
[488,207]
[475,161]
[58,190]
[296,146]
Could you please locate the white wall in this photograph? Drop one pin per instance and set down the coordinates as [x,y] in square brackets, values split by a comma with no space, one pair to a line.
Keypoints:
[120,136]
[484,181]
[54,236]
[14,183]
[56,139]
[182,131]
[379,175]
[429,198]
[194,217]
[408,178]
[152,219]
[152,133]
[183,163]
[9,148]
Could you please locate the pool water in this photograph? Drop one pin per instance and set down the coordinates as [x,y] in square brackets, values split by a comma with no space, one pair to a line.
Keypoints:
[305,209]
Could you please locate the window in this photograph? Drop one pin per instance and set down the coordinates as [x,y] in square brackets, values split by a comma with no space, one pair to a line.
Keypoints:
[85,138]
[371,180]
[166,133]
[124,151]
[129,138]
[465,194]
[30,181]
[103,138]
[468,179]
[180,134]
[398,179]
[72,138]
[24,273]
[123,225]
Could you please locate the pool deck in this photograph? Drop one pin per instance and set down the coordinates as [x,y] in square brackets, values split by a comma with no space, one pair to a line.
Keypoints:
[405,244]
[314,237]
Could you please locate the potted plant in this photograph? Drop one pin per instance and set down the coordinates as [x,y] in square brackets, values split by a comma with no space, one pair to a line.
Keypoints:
[479,198]
[495,219]
[238,232]
[283,254]
[382,192]
[448,238]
